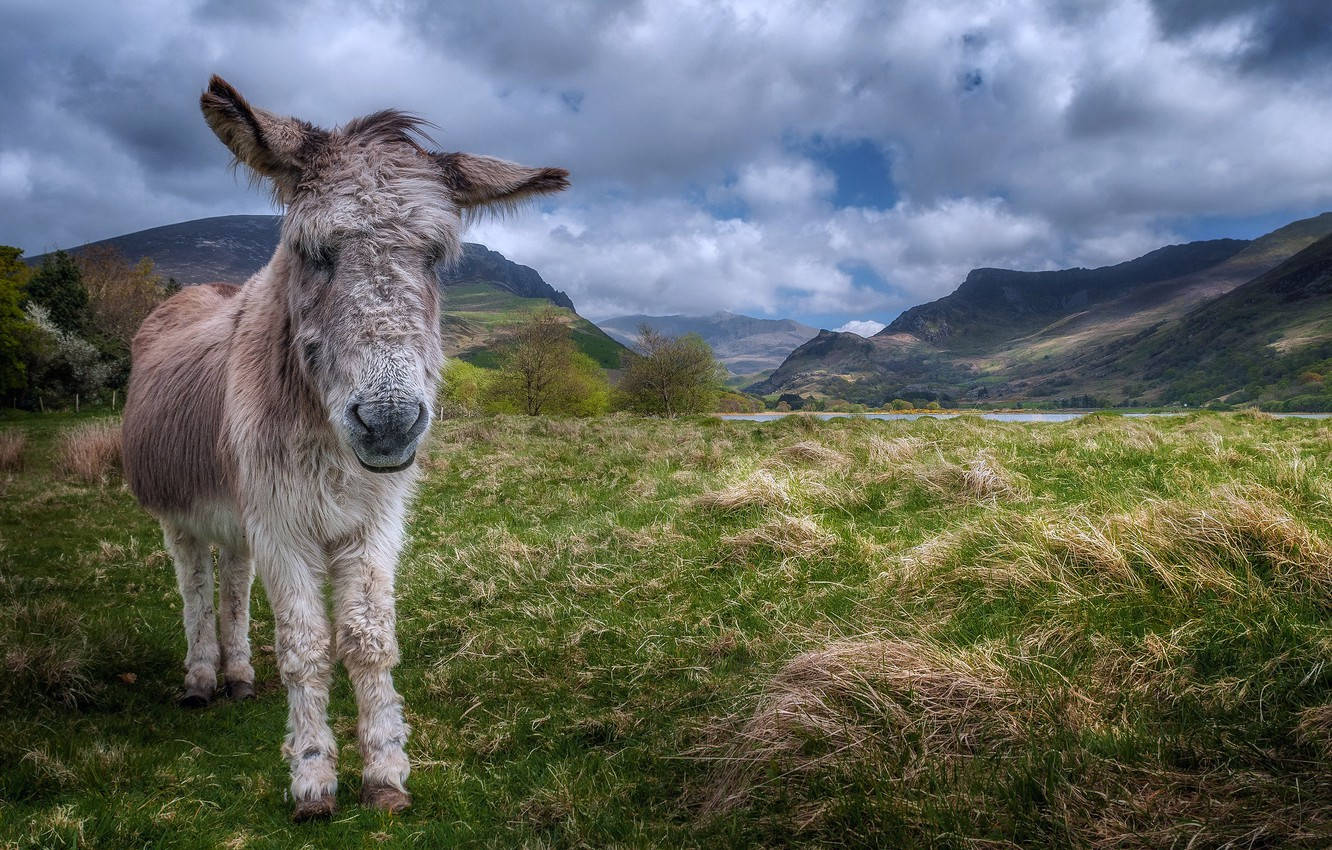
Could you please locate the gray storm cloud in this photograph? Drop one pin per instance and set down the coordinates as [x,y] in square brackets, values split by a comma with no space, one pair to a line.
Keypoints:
[1032,134]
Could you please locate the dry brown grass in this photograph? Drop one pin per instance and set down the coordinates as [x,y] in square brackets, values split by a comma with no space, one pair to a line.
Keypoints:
[1315,729]
[893,451]
[857,700]
[1221,541]
[785,534]
[90,453]
[1149,807]
[12,444]
[759,489]
[982,480]
[810,452]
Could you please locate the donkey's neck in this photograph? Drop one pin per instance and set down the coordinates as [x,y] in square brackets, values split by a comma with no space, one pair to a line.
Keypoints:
[268,352]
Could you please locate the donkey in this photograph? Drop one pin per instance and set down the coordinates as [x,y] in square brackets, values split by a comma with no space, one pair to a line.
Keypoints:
[279,420]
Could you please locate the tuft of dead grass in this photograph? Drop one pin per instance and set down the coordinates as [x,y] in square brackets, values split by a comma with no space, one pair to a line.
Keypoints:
[785,534]
[863,699]
[983,480]
[1315,729]
[1220,541]
[896,450]
[12,444]
[810,452]
[760,489]
[90,453]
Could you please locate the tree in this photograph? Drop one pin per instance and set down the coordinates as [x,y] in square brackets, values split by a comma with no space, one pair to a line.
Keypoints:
[58,287]
[670,375]
[120,296]
[59,363]
[15,332]
[542,372]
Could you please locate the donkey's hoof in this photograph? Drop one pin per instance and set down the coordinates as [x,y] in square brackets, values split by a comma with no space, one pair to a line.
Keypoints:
[319,809]
[196,698]
[386,798]
[240,690]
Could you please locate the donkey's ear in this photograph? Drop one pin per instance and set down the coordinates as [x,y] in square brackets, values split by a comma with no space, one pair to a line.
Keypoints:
[480,180]
[270,145]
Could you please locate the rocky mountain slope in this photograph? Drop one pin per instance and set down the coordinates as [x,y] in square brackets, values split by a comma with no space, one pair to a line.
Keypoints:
[1019,336]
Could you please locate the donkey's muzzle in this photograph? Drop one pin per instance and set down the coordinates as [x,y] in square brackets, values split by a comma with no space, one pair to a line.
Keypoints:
[385,434]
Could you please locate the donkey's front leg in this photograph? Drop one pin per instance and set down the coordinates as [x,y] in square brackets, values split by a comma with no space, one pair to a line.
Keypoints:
[292,576]
[363,568]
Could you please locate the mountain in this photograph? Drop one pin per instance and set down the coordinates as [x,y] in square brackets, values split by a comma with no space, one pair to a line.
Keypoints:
[1006,335]
[744,344]
[1268,340]
[483,292]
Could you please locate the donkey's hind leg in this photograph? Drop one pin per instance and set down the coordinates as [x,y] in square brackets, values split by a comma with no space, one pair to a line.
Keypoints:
[235,575]
[194,575]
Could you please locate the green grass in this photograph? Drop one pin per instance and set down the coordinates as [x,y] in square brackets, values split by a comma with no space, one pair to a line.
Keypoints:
[624,632]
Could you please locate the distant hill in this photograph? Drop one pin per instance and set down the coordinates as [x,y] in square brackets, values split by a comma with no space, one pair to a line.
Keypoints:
[483,292]
[1012,336]
[744,344]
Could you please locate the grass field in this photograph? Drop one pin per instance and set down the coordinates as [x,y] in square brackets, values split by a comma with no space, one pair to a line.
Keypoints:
[618,632]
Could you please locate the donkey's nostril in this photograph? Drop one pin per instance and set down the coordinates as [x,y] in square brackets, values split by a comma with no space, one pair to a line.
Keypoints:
[356,417]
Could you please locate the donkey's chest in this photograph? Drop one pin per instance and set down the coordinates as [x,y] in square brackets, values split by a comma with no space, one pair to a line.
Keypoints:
[326,501]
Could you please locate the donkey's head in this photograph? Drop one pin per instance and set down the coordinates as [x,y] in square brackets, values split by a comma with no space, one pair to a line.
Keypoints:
[369,213]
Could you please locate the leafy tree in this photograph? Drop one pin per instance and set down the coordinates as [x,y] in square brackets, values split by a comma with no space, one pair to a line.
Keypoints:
[901,404]
[670,375]
[58,286]
[15,332]
[542,372]
[120,295]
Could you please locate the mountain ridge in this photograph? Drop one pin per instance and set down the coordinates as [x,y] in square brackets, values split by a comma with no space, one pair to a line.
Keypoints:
[992,340]
[231,248]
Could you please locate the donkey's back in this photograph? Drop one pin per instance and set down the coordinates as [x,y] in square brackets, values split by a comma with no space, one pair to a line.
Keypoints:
[173,411]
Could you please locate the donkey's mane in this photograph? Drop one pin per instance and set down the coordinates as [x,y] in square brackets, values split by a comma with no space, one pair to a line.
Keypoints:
[390,126]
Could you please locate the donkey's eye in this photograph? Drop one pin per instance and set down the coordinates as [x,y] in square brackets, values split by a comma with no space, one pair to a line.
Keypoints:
[324,257]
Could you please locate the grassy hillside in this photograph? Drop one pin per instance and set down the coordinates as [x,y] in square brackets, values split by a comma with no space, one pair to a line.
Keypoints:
[1103,633]
[476,314]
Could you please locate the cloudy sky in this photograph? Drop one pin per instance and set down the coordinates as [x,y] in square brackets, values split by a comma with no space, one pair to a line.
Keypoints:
[834,162]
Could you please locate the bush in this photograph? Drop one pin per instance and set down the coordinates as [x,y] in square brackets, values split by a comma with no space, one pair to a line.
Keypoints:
[60,363]
[462,391]
[90,453]
[901,404]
